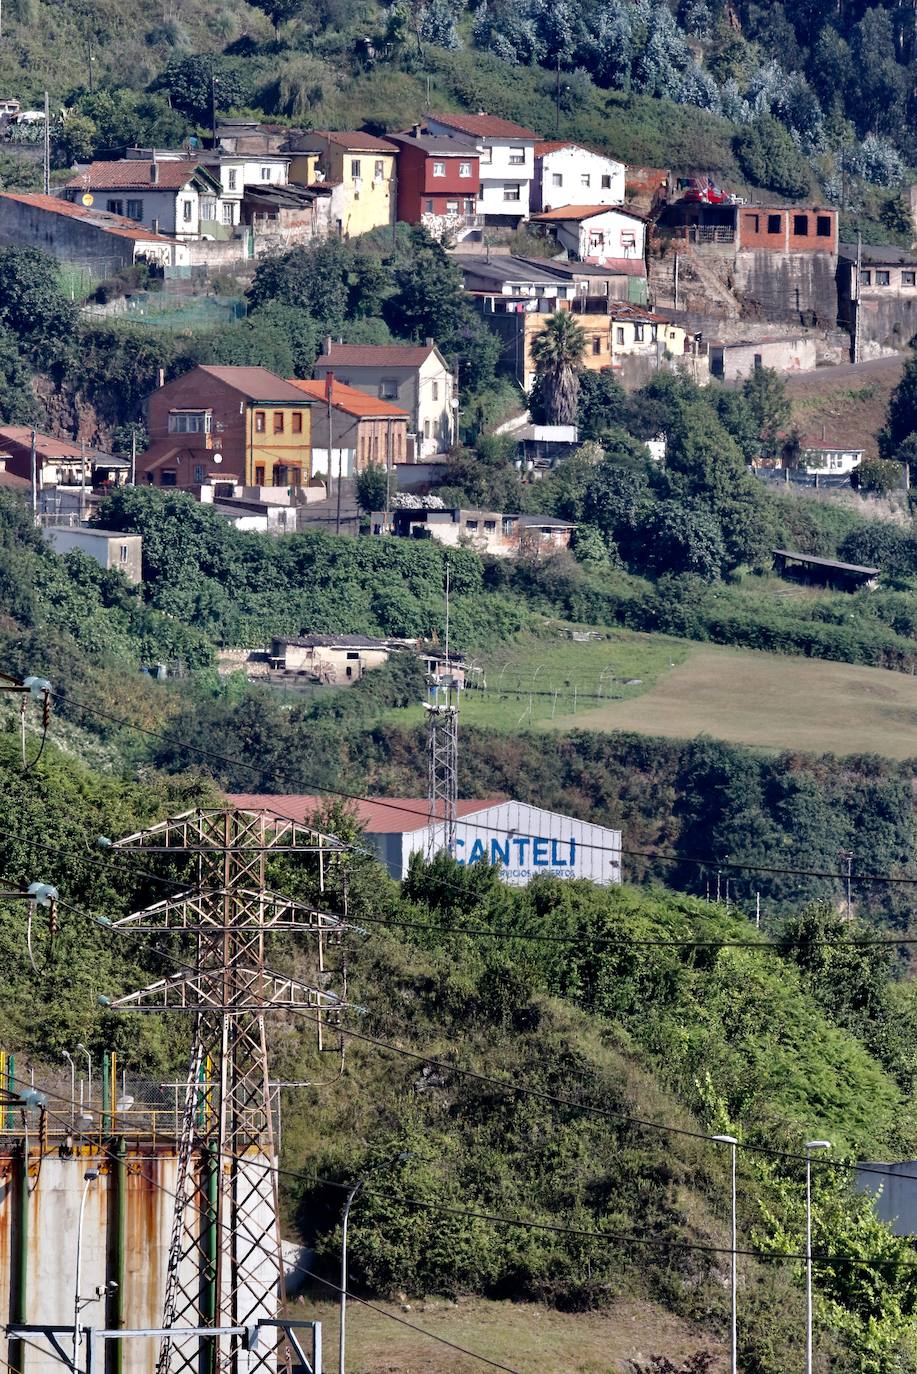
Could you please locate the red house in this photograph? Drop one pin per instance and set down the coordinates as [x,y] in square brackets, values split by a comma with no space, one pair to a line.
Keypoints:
[439,179]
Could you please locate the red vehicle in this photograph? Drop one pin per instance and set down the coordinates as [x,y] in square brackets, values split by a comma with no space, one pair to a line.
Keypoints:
[703,191]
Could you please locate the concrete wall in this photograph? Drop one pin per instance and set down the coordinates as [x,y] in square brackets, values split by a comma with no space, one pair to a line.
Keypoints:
[122,552]
[572,164]
[798,287]
[63,237]
[895,1198]
[733,361]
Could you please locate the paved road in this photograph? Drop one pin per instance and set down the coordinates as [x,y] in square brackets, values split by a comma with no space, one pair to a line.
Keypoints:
[824,378]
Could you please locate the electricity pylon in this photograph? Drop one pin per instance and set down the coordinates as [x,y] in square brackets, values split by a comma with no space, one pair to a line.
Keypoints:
[225,1264]
[442,761]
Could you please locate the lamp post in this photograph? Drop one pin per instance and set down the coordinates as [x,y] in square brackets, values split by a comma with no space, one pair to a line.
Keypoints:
[810,1146]
[89,1179]
[69,1060]
[348,1202]
[81,1049]
[731,1141]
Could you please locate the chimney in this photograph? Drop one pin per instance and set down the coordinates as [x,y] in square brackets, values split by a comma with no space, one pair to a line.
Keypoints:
[430,343]
[415,131]
[161,377]
[328,343]
[154,173]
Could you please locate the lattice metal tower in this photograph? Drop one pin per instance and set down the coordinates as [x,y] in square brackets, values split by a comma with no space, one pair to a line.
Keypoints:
[442,763]
[225,1265]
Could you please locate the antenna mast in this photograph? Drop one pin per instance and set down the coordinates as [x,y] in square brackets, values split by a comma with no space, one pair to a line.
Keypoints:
[444,683]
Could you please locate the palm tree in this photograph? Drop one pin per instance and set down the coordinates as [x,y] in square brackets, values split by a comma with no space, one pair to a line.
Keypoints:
[557,353]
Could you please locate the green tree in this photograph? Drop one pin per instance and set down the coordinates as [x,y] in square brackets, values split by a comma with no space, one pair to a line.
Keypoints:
[372,488]
[427,300]
[769,157]
[558,352]
[33,306]
[600,405]
[194,83]
[682,539]
[901,420]
[300,332]
[764,391]
[253,342]
[878,476]
[18,402]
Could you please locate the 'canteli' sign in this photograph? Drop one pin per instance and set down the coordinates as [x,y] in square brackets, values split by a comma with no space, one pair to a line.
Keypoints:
[520,852]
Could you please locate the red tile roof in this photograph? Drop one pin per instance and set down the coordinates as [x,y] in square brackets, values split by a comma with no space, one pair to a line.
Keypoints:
[580,212]
[47,448]
[134,175]
[256,383]
[349,399]
[9,479]
[354,140]
[377,815]
[98,219]
[555,145]
[485,126]
[375,355]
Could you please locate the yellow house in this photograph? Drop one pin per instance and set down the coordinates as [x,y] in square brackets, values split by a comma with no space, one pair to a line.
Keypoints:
[363,165]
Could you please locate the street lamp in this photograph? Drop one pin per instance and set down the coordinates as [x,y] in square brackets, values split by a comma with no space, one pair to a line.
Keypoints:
[89,1179]
[810,1146]
[731,1141]
[348,1202]
[81,1049]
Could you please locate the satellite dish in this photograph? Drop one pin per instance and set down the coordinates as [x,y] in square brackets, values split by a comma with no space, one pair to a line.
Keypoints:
[218,457]
[88,199]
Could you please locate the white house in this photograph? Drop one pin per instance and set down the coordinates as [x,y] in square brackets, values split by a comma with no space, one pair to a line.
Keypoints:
[568,174]
[414,377]
[827,455]
[526,841]
[597,233]
[173,196]
[507,161]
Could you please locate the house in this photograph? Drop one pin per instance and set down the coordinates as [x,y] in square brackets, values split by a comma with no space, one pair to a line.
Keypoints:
[507,161]
[10,481]
[567,174]
[334,660]
[597,233]
[283,216]
[68,473]
[812,454]
[109,548]
[416,378]
[780,260]
[541,446]
[365,430]
[824,572]
[731,361]
[255,512]
[362,164]
[486,531]
[524,840]
[89,238]
[227,423]
[879,308]
[177,197]
[439,182]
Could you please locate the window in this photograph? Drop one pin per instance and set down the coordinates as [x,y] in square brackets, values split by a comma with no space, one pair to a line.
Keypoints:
[865,277]
[754,223]
[167,479]
[260,423]
[596,345]
[490,525]
[233,179]
[150,479]
[436,391]
[115,207]
[469,205]
[278,421]
[512,192]
[189,422]
[428,206]
[823,226]
[619,334]
[198,472]
[187,209]
[379,169]
[801,225]
[606,182]
[297,422]
[464,169]
[135,209]
[774,224]
[654,333]
[439,169]
[516,157]
[909,278]
[265,173]
[124,551]
[355,167]
[585,179]
[259,476]
[227,213]
[557,178]
[208,207]
[451,207]
[388,390]
[485,155]
[471,524]
[426,429]
[639,332]
[883,278]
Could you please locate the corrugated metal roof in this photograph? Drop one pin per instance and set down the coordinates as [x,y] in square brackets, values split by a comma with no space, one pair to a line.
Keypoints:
[824,562]
[377,815]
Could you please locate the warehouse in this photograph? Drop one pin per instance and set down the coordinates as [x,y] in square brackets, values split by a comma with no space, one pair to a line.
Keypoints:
[525,840]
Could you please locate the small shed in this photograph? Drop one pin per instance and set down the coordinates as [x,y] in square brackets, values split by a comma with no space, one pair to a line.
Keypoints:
[824,572]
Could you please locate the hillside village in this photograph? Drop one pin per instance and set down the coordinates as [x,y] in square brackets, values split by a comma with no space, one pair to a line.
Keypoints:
[458,687]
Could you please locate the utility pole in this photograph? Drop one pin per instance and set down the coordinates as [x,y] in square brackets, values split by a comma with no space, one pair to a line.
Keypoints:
[47,156]
[329,385]
[225,1266]
[442,749]
[34,471]
[848,859]
[133,457]
[557,100]
[82,480]
[856,299]
[675,283]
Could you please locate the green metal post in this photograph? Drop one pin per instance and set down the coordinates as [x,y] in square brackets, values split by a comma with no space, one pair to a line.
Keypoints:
[210,1182]
[106,1093]
[19,1295]
[11,1087]
[115,1361]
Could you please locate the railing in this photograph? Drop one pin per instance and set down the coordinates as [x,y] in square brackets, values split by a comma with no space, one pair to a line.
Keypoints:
[704,233]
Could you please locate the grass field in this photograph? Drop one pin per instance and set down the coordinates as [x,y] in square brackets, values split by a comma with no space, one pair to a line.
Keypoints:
[521,1336]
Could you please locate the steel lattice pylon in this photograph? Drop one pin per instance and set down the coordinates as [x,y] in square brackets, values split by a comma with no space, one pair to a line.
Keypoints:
[442,763]
[225,1265]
